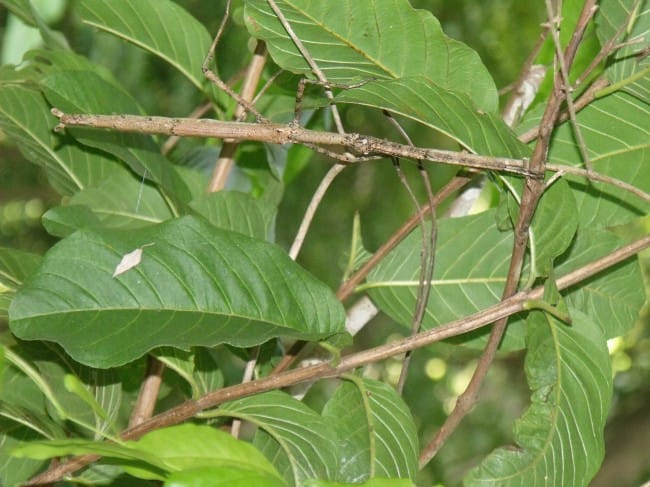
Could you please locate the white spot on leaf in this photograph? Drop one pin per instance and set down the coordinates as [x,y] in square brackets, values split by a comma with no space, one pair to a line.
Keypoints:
[129,261]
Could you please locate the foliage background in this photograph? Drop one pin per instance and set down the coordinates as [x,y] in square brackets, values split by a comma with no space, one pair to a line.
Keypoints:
[502,32]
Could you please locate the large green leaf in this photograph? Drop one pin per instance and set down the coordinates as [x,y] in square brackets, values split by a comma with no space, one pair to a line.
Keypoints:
[472,258]
[618,146]
[377,435]
[301,443]
[86,92]
[195,285]
[444,109]
[627,64]
[159,26]
[560,437]
[361,39]
[25,118]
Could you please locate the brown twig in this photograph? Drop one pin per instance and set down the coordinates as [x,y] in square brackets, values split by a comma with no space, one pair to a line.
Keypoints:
[507,307]
[277,133]
[149,389]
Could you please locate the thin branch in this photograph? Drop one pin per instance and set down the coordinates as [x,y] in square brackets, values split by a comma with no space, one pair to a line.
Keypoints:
[510,112]
[314,203]
[508,307]
[601,178]
[149,389]
[276,133]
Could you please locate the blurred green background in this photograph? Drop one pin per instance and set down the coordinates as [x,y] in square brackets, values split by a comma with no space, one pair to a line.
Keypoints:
[503,33]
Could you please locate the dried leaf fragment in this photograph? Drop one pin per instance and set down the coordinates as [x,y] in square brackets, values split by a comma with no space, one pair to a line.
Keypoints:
[129,261]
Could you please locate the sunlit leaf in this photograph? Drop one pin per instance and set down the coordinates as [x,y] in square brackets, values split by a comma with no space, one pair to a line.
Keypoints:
[222,476]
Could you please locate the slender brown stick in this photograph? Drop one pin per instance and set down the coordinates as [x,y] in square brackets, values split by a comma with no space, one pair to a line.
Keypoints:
[148,395]
[508,307]
[276,133]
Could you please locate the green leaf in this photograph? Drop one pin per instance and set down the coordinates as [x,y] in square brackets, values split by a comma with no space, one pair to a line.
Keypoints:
[143,463]
[25,118]
[160,27]
[233,210]
[191,446]
[298,440]
[87,92]
[222,476]
[376,432]
[472,259]
[119,201]
[195,285]
[613,299]
[444,109]
[625,63]
[165,450]
[560,437]
[360,39]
